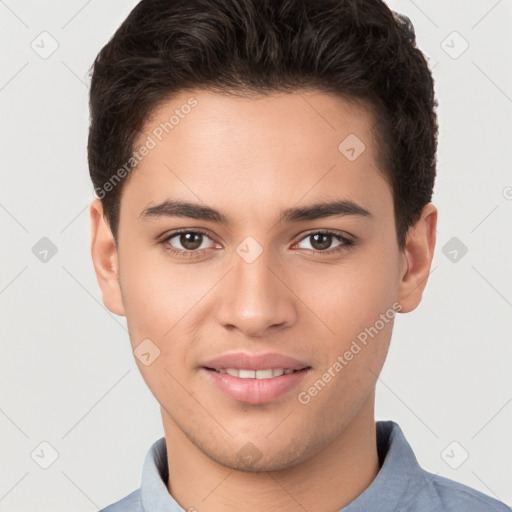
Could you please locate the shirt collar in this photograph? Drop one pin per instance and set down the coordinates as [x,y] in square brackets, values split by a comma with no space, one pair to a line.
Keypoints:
[155,473]
[400,480]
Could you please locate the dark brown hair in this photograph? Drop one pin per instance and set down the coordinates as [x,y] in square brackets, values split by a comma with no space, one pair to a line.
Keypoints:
[355,49]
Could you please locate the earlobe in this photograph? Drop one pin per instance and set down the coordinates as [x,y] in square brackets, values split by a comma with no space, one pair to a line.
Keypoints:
[105,259]
[418,253]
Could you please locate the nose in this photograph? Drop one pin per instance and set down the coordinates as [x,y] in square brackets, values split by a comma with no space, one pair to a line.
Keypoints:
[256,297]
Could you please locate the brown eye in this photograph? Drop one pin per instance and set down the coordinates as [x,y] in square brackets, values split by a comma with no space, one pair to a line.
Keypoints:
[191,241]
[321,241]
[187,243]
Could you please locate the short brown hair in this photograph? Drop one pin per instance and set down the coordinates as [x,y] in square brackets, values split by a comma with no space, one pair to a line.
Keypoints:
[356,49]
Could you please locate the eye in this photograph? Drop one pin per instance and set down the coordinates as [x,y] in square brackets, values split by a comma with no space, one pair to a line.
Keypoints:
[191,242]
[319,241]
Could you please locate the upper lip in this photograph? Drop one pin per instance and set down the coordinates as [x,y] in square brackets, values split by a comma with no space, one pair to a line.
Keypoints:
[247,361]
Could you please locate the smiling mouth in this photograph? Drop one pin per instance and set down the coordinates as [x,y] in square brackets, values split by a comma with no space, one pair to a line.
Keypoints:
[268,373]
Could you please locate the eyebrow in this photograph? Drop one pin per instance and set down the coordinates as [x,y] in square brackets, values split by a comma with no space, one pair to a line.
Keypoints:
[178,208]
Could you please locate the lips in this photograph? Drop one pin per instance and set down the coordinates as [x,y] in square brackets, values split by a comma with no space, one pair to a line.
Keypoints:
[254,378]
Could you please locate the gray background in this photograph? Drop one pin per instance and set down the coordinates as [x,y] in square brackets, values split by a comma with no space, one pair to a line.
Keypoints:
[68,376]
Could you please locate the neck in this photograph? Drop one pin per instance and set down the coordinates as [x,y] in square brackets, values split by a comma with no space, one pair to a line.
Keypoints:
[328,481]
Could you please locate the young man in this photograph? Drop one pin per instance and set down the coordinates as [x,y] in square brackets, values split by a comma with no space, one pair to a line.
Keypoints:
[264,172]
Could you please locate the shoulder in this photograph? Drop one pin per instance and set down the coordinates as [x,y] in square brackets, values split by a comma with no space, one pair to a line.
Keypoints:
[130,503]
[455,497]
[410,488]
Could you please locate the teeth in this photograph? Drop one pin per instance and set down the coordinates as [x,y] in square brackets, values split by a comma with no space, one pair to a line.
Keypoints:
[256,374]
[264,374]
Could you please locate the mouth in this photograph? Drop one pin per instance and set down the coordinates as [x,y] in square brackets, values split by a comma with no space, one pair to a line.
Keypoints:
[263,374]
[254,378]
[255,387]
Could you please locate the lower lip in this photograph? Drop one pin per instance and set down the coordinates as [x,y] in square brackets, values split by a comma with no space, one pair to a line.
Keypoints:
[254,391]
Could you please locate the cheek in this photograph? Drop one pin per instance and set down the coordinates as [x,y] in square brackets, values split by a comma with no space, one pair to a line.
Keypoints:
[167,303]
[352,360]
[350,296]
[356,304]
[156,295]
[159,300]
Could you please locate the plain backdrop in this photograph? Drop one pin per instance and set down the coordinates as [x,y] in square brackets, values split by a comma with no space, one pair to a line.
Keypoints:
[67,374]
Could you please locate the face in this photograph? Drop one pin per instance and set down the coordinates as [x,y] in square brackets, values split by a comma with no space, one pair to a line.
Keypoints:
[250,267]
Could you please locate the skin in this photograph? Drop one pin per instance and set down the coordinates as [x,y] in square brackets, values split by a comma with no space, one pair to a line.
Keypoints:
[250,159]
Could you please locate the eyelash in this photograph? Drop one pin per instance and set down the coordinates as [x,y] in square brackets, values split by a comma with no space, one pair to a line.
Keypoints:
[346,243]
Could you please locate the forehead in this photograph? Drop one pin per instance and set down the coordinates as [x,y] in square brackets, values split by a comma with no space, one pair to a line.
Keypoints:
[220,148]
[277,115]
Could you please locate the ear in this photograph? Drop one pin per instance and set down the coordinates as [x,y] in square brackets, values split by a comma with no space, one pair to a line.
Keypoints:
[417,258]
[105,259]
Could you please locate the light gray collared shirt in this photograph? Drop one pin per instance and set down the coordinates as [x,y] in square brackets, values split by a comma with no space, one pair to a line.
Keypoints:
[400,486]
